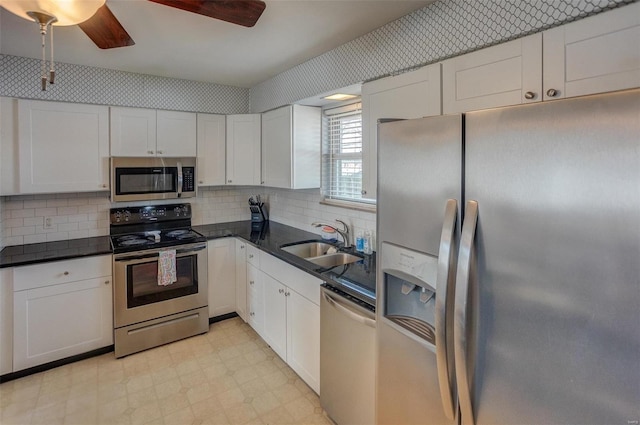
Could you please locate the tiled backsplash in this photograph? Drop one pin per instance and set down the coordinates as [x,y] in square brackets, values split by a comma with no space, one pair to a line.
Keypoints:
[79,215]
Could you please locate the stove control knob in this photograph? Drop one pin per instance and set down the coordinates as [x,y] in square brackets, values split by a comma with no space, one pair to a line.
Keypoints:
[118,216]
[176,211]
[127,215]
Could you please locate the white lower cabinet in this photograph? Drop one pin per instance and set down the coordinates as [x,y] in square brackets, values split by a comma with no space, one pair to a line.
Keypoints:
[255,299]
[61,309]
[6,321]
[303,338]
[241,279]
[275,315]
[292,317]
[221,270]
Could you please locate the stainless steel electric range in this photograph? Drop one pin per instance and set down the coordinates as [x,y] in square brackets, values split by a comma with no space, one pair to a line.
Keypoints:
[152,243]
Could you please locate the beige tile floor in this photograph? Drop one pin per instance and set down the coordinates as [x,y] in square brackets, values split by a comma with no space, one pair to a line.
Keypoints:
[228,376]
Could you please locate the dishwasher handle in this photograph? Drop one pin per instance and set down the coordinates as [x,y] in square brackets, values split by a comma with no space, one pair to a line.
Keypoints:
[349,312]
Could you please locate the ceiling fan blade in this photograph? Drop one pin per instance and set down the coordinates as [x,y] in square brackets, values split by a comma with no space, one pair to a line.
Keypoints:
[241,12]
[105,30]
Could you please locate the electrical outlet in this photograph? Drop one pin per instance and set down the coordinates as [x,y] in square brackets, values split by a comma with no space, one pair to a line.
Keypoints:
[48,222]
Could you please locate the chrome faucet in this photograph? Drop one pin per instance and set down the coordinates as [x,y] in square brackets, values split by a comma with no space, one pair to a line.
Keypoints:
[344,232]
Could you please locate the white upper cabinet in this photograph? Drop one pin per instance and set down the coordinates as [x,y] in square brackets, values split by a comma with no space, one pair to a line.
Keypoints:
[507,74]
[147,132]
[291,147]
[62,147]
[413,94]
[243,149]
[133,132]
[211,149]
[176,134]
[594,55]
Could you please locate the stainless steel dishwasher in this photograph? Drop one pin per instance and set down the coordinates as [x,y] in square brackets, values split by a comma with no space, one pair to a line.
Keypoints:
[347,358]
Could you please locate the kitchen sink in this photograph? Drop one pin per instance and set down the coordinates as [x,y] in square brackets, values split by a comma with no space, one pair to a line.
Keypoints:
[323,254]
[308,249]
[332,260]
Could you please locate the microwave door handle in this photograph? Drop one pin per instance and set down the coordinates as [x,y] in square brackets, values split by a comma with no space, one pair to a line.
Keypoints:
[180,179]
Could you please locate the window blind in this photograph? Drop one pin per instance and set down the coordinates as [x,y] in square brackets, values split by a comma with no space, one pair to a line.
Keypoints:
[342,153]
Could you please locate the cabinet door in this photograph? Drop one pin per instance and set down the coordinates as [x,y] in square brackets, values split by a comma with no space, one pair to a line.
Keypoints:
[411,95]
[58,321]
[222,276]
[211,149]
[241,279]
[133,132]
[243,149]
[303,338]
[275,315]
[176,134]
[277,147]
[594,55]
[63,147]
[255,299]
[507,74]
[6,320]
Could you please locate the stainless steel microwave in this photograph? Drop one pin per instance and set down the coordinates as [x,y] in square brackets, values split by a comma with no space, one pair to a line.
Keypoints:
[143,179]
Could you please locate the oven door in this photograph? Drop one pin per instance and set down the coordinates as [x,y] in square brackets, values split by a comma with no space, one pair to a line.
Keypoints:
[137,295]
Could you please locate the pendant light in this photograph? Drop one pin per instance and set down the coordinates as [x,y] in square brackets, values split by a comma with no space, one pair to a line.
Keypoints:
[47,13]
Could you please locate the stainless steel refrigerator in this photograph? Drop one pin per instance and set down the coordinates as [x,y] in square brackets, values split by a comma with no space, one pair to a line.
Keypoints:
[509,265]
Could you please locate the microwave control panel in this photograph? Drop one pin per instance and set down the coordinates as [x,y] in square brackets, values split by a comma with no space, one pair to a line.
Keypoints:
[188,179]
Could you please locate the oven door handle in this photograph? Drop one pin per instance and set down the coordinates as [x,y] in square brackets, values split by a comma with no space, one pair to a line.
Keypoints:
[157,253]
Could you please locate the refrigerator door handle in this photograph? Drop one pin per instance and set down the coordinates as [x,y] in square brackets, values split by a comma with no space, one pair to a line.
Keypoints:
[446,268]
[467,241]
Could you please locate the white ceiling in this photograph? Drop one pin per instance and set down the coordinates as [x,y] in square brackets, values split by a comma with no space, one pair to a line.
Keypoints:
[174,43]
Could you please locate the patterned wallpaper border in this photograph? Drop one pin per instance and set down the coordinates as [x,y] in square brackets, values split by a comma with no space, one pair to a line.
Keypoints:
[19,77]
[440,30]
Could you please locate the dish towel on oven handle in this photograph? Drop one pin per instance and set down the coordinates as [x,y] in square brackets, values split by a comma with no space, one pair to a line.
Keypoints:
[167,267]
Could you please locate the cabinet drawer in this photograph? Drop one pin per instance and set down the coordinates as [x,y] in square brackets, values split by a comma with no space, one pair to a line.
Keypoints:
[253,255]
[57,272]
[296,279]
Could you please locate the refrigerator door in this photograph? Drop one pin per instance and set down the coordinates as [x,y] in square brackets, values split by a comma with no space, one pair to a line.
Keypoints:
[419,188]
[552,332]
[419,169]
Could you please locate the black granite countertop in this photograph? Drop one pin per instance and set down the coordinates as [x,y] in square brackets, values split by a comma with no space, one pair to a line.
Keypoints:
[269,238]
[21,255]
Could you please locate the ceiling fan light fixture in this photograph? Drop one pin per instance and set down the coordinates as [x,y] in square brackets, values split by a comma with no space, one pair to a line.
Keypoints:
[66,12]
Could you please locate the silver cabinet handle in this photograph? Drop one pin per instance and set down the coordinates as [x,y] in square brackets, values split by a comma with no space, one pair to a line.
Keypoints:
[281,290]
[66,273]
[160,152]
[528,95]
[241,246]
[150,152]
[445,283]
[349,312]
[552,92]
[106,282]
[200,182]
[251,282]
[250,255]
[467,240]
[228,181]
[363,192]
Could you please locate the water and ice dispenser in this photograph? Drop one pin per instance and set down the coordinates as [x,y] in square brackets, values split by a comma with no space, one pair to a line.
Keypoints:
[409,289]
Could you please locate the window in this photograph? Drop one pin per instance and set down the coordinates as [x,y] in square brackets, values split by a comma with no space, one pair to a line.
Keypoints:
[342,153]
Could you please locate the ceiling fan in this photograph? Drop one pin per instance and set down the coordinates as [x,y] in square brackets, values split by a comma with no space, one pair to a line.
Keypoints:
[104,29]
